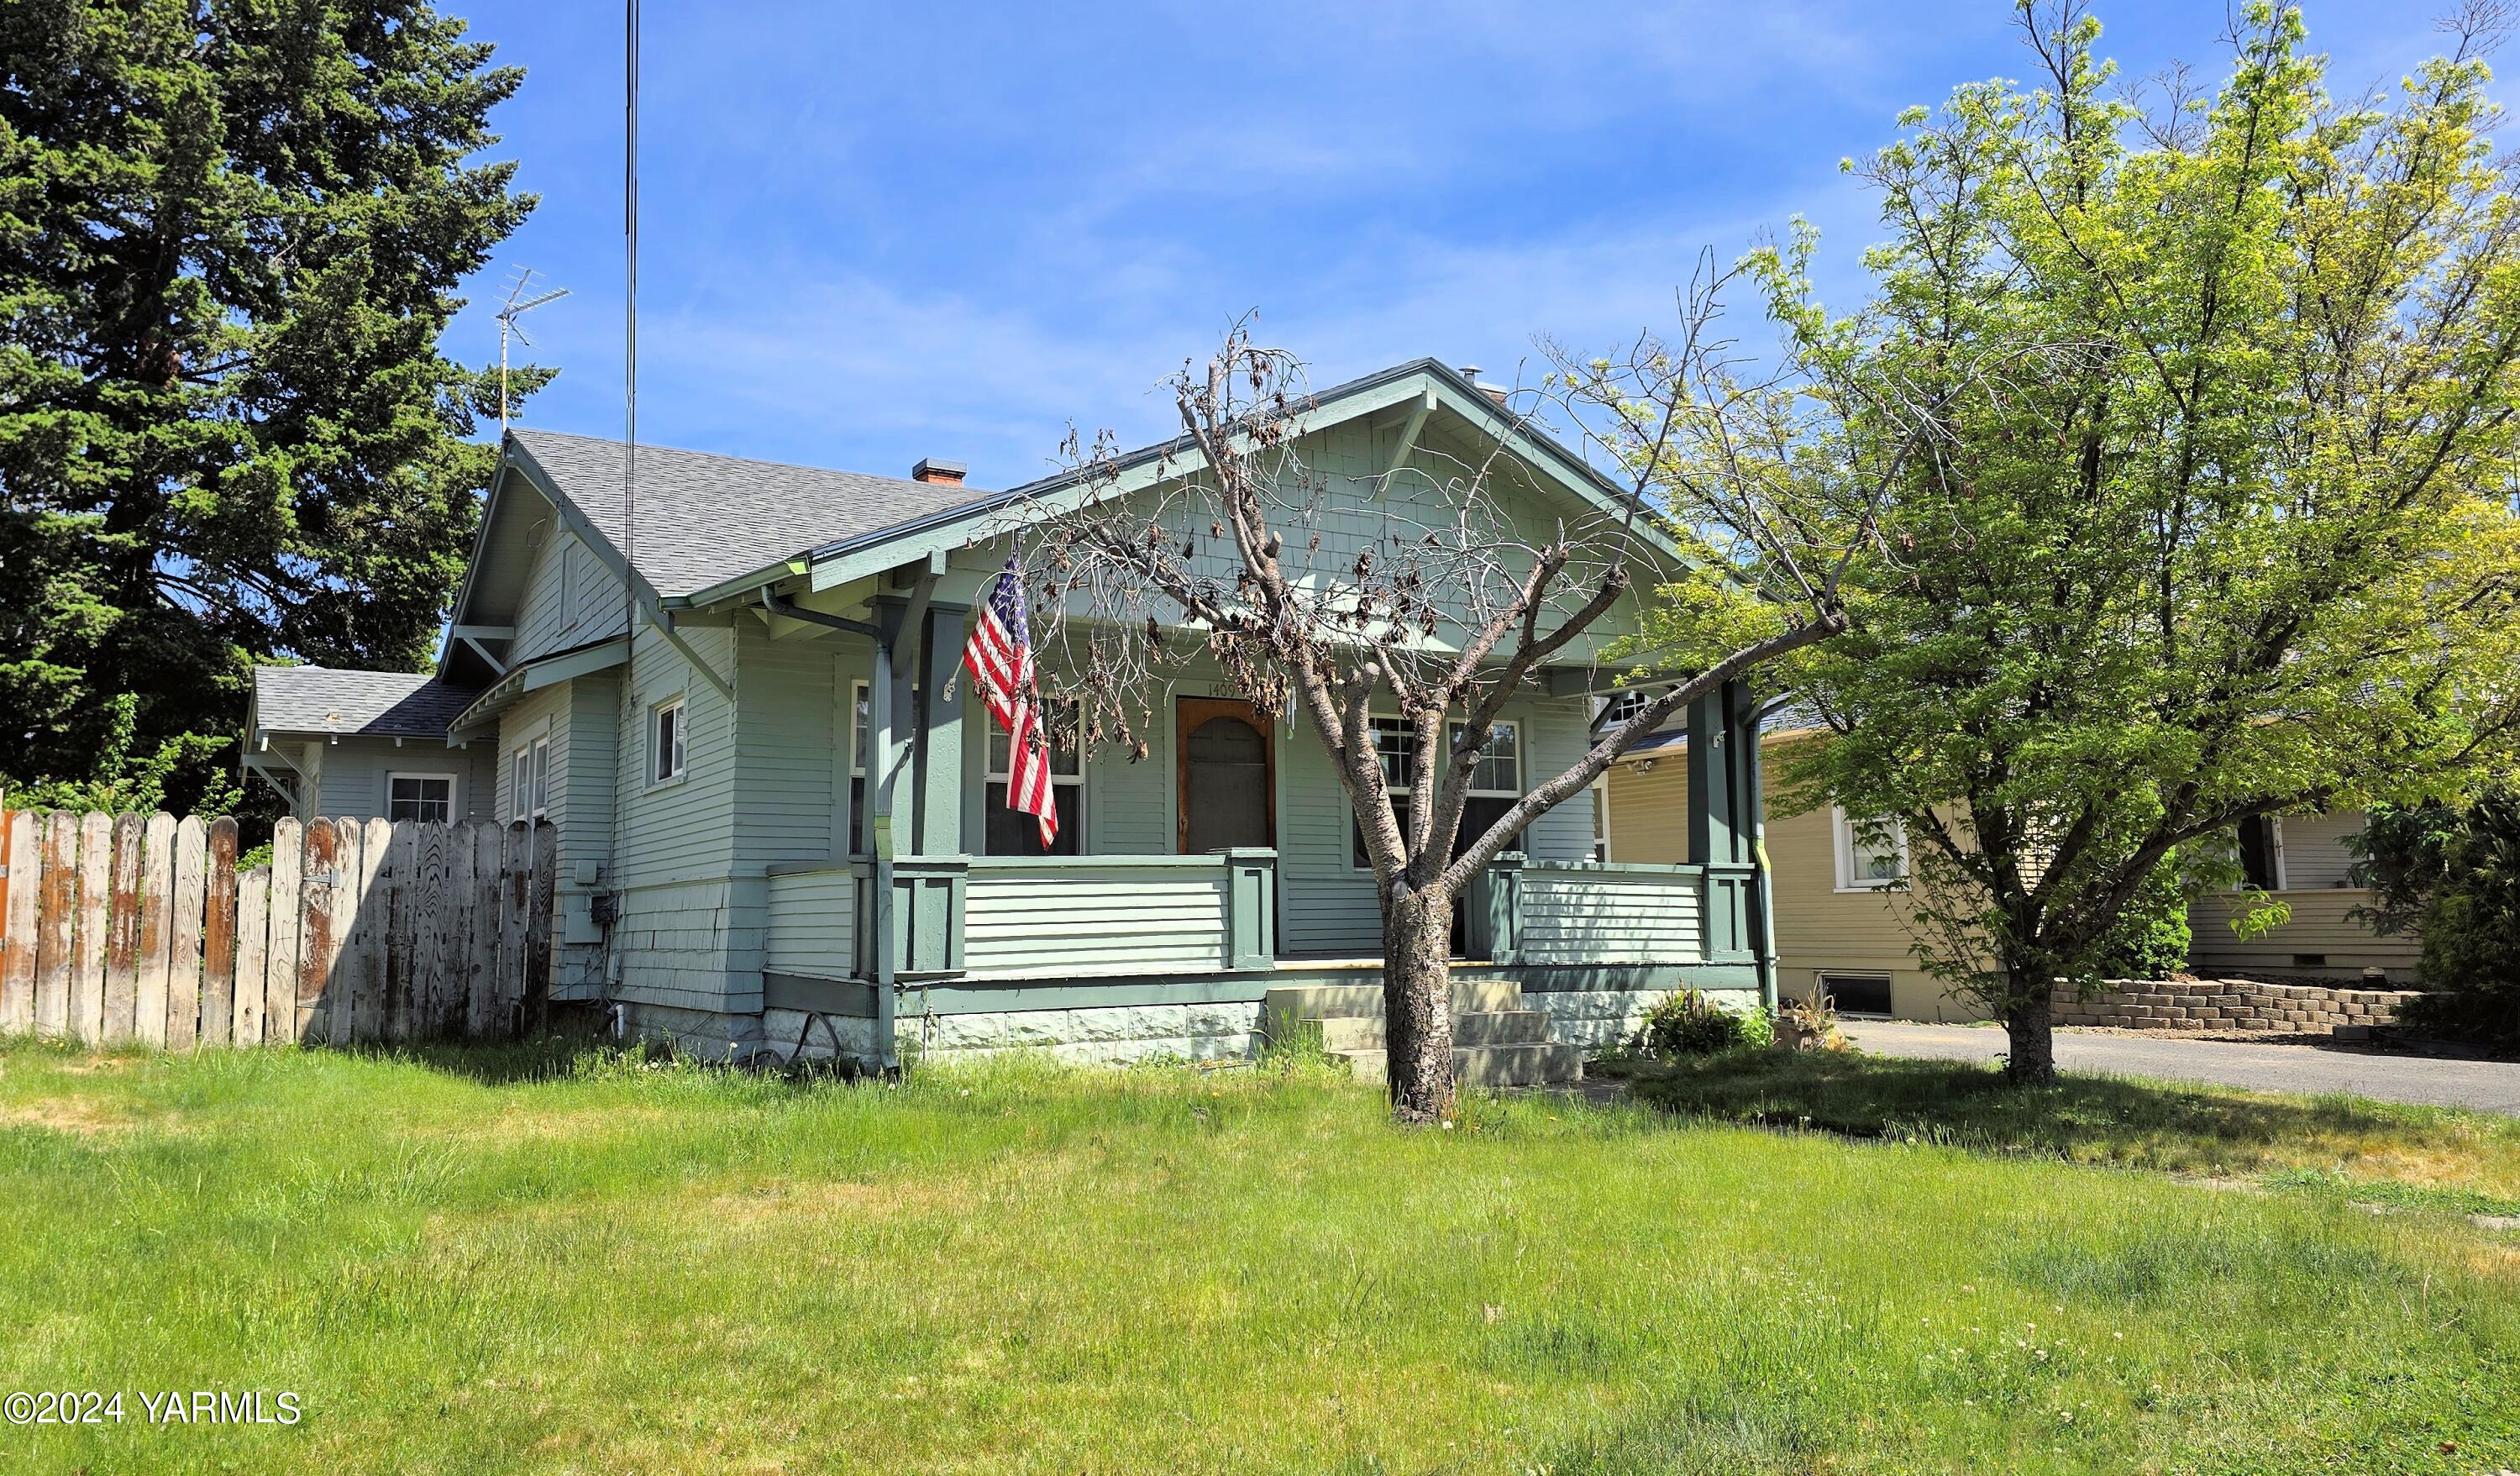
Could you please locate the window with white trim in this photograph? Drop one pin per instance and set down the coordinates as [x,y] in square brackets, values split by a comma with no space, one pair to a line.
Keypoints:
[860,711]
[1601,791]
[1871,855]
[425,797]
[666,731]
[1495,784]
[1006,831]
[529,779]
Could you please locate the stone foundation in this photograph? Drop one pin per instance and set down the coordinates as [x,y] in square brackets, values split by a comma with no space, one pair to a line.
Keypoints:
[1113,1034]
[1599,1018]
[2225,1005]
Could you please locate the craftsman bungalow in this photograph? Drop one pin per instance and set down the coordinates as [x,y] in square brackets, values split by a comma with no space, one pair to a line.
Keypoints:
[778,819]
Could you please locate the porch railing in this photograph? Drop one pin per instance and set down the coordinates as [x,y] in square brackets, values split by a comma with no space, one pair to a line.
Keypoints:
[1022,917]
[1575,913]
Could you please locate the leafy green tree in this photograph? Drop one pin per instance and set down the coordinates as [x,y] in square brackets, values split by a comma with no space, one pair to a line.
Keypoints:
[230,236]
[2453,876]
[2217,520]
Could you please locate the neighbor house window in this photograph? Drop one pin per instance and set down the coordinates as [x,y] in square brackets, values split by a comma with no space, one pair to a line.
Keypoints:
[2262,857]
[1871,855]
[1010,833]
[1600,790]
[666,734]
[426,797]
[1495,784]
[529,780]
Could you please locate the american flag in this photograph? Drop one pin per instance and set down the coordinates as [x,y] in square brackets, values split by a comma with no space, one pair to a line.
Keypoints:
[998,656]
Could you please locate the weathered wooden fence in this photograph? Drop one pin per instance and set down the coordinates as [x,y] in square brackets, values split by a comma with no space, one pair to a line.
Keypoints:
[118,929]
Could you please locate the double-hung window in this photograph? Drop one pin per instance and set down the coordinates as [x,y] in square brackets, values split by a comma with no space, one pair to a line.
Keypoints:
[529,780]
[666,725]
[425,797]
[1495,784]
[1872,853]
[1012,832]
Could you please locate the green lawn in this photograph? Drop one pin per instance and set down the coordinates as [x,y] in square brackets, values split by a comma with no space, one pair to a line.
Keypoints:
[494,1262]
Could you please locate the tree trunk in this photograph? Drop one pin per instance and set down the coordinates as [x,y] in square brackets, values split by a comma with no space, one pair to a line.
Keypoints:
[1417,1004]
[2031,1029]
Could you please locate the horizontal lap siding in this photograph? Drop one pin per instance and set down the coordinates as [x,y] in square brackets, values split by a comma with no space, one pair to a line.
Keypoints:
[1089,921]
[2318,925]
[690,933]
[790,737]
[1600,919]
[812,924]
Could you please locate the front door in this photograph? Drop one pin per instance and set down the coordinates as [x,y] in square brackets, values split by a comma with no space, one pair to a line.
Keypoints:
[1226,769]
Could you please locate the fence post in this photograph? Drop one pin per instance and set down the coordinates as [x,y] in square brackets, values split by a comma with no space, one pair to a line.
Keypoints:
[538,924]
[182,1013]
[123,935]
[482,964]
[95,896]
[156,928]
[254,929]
[421,898]
[219,936]
[288,917]
[17,949]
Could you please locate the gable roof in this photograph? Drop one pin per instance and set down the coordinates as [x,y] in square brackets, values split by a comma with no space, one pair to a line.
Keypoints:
[374,703]
[840,558]
[704,519]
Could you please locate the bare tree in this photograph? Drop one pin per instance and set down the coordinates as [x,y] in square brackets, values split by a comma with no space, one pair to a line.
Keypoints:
[1229,548]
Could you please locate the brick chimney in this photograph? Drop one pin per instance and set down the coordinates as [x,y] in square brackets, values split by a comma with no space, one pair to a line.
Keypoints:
[943,474]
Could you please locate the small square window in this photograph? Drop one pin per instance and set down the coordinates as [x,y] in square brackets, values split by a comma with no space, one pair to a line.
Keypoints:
[426,797]
[665,735]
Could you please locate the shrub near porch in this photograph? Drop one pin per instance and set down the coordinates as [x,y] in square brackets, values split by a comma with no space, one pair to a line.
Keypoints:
[488,1262]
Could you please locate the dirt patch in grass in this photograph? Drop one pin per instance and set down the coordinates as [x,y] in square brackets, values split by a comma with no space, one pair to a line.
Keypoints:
[76,1115]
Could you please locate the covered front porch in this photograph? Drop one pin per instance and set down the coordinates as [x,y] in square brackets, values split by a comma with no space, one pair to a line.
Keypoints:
[1119,955]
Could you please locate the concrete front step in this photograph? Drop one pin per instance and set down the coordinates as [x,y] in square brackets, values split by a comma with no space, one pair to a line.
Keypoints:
[1545,1063]
[1334,1002]
[1481,1027]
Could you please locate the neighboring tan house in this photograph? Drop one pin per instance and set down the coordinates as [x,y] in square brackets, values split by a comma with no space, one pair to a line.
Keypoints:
[774,811]
[1840,919]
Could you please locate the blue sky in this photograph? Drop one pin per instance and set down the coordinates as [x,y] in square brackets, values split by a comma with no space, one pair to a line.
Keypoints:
[873,233]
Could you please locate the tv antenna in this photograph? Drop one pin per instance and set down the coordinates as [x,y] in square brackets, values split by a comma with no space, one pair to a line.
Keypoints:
[522,299]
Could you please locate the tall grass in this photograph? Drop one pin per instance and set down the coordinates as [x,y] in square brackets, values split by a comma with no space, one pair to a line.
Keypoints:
[540,1260]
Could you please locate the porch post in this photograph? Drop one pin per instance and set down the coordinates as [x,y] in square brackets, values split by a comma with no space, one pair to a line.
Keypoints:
[1711,832]
[939,760]
[1718,820]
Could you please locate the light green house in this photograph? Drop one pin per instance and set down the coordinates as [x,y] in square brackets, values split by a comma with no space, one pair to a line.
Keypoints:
[779,820]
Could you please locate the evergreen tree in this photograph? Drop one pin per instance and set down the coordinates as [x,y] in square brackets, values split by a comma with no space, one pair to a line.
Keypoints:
[229,237]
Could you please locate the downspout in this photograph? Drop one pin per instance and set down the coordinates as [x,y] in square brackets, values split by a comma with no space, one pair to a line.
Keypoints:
[887,1008]
[1762,895]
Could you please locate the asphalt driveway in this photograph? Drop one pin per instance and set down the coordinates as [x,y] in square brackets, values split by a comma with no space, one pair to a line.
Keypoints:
[2489,1086]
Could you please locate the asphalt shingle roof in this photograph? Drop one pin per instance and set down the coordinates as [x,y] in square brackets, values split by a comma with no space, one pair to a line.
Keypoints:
[704,519]
[378,703]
